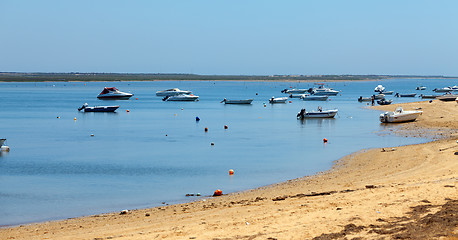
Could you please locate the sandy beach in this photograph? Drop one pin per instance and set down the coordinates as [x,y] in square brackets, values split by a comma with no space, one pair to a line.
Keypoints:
[407,192]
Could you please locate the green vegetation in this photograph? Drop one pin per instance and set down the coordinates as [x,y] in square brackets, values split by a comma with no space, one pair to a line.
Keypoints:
[86,77]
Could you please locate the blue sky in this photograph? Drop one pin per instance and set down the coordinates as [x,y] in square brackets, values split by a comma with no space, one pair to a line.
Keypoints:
[230,37]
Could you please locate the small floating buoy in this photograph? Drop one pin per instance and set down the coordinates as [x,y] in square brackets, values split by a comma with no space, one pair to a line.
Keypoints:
[231,171]
[197,119]
[212,143]
[58,117]
[181,109]
[325,140]
[256,94]
[136,98]
[127,110]
[225,127]
[92,134]
[5,149]
[74,119]
[206,129]
[289,101]
[217,193]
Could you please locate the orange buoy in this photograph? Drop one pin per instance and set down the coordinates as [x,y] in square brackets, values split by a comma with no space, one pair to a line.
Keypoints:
[225,126]
[74,119]
[206,129]
[289,101]
[231,171]
[136,98]
[217,193]
[325,140]
[127,110]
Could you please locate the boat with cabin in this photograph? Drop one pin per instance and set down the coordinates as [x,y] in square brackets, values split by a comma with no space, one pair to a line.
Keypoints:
[321,90]
[319,113]
[399,115]
[172,92]
[86,108]
[112,93]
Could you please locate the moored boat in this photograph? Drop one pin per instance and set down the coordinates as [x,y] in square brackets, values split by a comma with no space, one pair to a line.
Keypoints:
[241,101]
[113,93]
[86,108]
[379,96]
[385,102]
[429,96]
[321,90]
[445,89]
[364,99]
[399,115]
[278,100]
[319,113]
[297,95]
[387,92]
[314,98]
[405,95]
[172,92]
[181,97]
[294,91]
[447,97]
[420,88]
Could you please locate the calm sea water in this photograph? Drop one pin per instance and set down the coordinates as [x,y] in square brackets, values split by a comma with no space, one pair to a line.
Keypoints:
[157,152]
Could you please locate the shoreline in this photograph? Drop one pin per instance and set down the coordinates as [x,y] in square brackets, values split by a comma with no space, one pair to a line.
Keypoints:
[323,203]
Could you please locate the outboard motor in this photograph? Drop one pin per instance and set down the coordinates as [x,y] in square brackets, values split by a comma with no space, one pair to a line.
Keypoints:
[165,98]
[310,90]
[83,107]
[284,90]
[301,114]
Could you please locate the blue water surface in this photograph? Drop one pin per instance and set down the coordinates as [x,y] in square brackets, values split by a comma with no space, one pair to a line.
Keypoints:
[157,152]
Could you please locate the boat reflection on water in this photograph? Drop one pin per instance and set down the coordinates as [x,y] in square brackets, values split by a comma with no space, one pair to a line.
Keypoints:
[316,122]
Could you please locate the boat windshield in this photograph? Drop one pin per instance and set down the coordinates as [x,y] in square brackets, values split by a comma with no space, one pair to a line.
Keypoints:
[107,90]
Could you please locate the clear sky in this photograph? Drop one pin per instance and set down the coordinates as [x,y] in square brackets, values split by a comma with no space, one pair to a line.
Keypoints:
[230,37]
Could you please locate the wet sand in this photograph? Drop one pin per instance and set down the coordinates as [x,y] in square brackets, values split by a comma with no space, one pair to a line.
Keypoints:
[384,193]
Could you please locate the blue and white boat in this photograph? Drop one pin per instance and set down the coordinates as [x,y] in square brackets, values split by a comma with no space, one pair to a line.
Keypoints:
[86,108]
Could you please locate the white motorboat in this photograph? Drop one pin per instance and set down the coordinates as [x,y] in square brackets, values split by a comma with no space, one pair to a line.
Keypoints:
[242,101]
[278,100]
[86,108]
[399,115]
[323,91]
[172,92]
[181,97]
[319,113]
[314,98]
[113,93]
[447,97]
[294,91]
[379,88]
[298,95]
[445,89]
[420,88]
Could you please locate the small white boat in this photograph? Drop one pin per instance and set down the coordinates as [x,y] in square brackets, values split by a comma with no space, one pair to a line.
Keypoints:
[172,92]
[445,89]
[420,88]
[113,93]
[242,101]
[319,113]
[315,98]
[399,115]
[86,108]
[447,97]
[278,100]
[294,91]
[323,91]
[182,97]
[405,95]
[379,88]
[298,95]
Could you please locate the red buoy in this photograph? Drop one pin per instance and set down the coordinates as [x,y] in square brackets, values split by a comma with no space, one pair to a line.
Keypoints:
[325,140]
[225,126]
[231,172]
[217,193]
[206,129]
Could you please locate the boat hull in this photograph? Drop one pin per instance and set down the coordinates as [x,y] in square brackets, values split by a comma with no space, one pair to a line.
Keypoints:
[318,114]
[101,109]
[114,97]
[278,100]
[245,101]
[172,93]
[181,98]
[328,93]
[315,98]
[448,98]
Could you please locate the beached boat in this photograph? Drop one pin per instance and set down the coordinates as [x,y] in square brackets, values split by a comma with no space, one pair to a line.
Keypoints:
[445,89]
[297,95]
[447,97]
[241,101]
[405,95]
[319,113]
[113,93]
[182,97]
[384,102]
[86,108]
[379,88]
[399,115]
[172,92]
[278,100]
[420,88]
[314,98]
[294,91]
[429,96]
